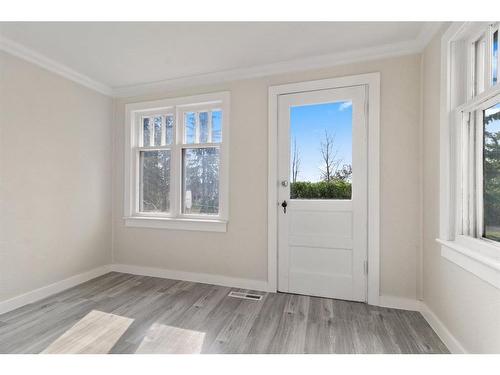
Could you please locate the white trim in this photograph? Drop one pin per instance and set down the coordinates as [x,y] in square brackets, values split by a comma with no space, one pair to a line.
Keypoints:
[474,255]
[36,58]
[448,110]
[445,150]
[372,80]
[204,278]
[427,33]
[420,248]
[400,303]
[272,190]
[48,290]
[485,267]
[177,224]
[451,342]
[314,62]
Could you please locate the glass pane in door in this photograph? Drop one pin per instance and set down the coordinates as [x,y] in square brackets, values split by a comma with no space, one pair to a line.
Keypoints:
[321,151]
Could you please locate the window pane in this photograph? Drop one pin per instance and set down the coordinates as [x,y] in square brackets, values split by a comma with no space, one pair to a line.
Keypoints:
[321,151]
[201,180]
[146,135]
[157,130]
[216,126]
[190,127]
[155,181]
[170,129]
[479,62]
[203,116]
[491,173]
[495,62]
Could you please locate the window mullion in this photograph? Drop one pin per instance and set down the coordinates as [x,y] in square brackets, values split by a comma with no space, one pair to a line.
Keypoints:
[140,131]
[197,127]
[472,179]
[209,140]
[176,171]
[151,128]
[460,168]
[465,173]
[479,173]
[173,180]
[200,145]
[163,130]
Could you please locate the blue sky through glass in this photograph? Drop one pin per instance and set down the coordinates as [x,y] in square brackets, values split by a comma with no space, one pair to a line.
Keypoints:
[494,65]
[307,127]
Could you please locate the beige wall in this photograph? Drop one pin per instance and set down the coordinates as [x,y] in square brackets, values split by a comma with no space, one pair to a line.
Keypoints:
[242,251]
[55,185]
[467,306]
[56,212]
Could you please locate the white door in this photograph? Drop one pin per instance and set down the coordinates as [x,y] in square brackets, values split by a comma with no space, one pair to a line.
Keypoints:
[322,208]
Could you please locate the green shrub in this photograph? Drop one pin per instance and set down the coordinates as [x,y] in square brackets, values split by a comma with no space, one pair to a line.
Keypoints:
[335,189]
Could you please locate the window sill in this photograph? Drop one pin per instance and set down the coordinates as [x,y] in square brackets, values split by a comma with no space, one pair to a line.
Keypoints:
[177,224]
[474,259]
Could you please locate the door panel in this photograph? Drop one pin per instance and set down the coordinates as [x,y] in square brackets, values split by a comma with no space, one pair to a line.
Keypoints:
[322,231]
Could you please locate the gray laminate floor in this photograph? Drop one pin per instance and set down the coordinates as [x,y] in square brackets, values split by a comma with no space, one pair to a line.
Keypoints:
[122,313]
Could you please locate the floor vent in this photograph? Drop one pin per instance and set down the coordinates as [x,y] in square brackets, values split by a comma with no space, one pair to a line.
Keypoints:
[253,297]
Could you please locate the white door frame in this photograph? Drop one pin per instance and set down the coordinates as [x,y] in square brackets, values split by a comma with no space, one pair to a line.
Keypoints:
[372,81]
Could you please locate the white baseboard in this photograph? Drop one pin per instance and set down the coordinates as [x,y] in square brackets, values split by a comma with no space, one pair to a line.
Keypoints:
[437,325]
[385,301]
[48,290]
[204,278]
[400,303]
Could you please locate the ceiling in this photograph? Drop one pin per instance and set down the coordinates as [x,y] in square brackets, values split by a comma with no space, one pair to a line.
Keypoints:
[124,54]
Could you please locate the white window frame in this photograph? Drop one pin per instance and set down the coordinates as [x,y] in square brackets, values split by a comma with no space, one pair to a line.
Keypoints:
[457,204]
[175,218]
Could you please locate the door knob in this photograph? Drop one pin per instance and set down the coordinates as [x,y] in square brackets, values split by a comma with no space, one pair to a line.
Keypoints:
[284,183]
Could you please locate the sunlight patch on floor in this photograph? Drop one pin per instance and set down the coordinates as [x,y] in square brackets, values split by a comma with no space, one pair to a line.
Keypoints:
[163,339]
[96,333]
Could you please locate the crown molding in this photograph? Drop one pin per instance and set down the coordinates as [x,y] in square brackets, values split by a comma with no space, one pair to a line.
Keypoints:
[36,58]
[314,62]
[427,33]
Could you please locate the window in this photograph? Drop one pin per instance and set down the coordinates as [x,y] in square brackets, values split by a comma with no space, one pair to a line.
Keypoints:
[201,161]
[470,157]
[176,163]
[477,141]
[483,65]
[479,182]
